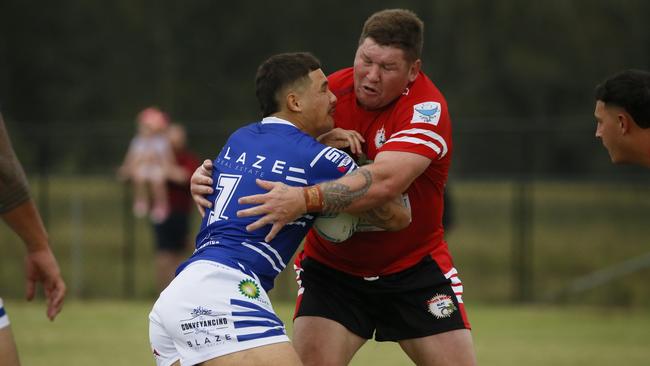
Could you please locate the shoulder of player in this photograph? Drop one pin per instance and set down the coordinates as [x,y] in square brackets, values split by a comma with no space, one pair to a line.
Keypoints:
[341,82]
[323,160]
[421,95]
[340,76]
[422,90]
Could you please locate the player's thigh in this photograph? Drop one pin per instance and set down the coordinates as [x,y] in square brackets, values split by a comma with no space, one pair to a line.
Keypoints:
[209,311]
[453,348]
[277,354]
[321,341]
[8,352]
[162,344]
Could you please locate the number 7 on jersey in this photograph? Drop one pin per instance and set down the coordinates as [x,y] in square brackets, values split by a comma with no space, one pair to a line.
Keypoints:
[226,186]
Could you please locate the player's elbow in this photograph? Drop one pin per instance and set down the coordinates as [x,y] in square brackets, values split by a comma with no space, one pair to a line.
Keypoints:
[384,193]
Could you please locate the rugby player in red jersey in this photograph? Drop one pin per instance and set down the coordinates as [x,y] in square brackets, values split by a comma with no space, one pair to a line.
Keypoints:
[396,286]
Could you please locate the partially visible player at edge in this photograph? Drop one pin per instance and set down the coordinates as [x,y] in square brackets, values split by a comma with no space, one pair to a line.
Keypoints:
[399,286]
[623,116]
[217,311]
[19,212]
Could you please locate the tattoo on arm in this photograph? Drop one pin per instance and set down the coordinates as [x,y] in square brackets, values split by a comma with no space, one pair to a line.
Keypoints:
[378,216]
[337,197]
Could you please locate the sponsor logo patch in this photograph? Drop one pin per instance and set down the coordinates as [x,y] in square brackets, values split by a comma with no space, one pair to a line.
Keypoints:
[427,112]
[441,306]
[203,320]
[249,289]
[205,328]
[344,164]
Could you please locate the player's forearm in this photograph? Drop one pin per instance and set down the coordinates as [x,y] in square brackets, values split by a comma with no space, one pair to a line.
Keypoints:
[391,216]
[25,221]
[362,190]
[368,187]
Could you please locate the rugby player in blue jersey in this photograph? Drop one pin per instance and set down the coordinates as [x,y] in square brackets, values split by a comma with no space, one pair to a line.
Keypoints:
[217,311]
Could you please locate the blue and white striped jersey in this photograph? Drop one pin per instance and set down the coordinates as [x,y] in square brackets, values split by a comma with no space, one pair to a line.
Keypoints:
[273,150]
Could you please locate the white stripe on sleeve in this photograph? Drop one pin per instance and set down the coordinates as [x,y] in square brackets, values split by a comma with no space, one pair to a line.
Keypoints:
[313,162]
[428,133]
[417,141]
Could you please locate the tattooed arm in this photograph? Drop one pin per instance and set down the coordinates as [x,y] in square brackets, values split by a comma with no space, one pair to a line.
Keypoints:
[392,216]
[389,175]
[366,188]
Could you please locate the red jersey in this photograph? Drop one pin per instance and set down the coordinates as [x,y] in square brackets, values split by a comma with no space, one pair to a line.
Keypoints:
[417,122]
[180,197]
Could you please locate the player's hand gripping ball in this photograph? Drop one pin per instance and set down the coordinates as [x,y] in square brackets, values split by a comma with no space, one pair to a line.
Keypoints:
[336,227]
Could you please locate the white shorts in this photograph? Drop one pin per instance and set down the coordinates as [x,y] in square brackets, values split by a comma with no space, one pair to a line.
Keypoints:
[4,319]
[210,310]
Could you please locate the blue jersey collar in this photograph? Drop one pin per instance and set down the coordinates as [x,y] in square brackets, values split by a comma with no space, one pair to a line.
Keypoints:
[276,120]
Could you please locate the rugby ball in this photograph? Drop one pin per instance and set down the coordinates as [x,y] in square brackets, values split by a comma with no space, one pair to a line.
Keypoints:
[336,227]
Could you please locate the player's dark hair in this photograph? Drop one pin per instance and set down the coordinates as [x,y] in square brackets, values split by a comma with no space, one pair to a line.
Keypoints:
[277,73]
[630,90]
[396,28]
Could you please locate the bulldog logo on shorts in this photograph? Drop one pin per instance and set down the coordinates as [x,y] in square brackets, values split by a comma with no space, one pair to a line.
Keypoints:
[441,306]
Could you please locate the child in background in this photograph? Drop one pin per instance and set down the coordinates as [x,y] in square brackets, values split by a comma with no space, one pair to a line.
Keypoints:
[146,164]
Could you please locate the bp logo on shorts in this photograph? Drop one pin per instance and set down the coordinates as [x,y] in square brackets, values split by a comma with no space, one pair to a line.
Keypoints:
[249,289]
[441,306]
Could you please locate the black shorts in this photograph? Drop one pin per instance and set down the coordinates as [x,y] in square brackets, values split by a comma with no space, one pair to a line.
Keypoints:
[414,303]
[171,234]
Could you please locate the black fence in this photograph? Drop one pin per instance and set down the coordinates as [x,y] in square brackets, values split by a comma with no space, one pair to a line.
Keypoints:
[539,213]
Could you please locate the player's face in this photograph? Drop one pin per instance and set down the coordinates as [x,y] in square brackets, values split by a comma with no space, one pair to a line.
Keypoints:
[608,129]
[381,74]
[319,103]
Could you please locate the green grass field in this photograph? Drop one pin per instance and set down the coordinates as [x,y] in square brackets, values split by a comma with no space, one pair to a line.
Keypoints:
[115,333]
[575,228]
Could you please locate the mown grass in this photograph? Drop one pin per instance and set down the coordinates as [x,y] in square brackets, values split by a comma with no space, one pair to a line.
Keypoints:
[115,333]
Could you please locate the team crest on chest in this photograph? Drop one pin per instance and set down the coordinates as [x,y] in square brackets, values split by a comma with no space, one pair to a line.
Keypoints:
[380,137]
[427,112]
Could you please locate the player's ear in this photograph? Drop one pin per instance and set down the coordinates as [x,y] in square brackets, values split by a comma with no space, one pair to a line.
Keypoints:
[624,120]
[293,102]
[414,70]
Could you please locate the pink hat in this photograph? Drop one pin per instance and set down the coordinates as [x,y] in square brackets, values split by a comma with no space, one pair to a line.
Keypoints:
[154,118]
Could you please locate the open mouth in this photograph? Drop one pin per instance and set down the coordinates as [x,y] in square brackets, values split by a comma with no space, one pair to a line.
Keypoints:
[369,90]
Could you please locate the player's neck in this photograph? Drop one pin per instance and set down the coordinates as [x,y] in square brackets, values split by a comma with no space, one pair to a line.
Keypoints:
[646,151]
[295,120]
[286,117]
[641,146]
